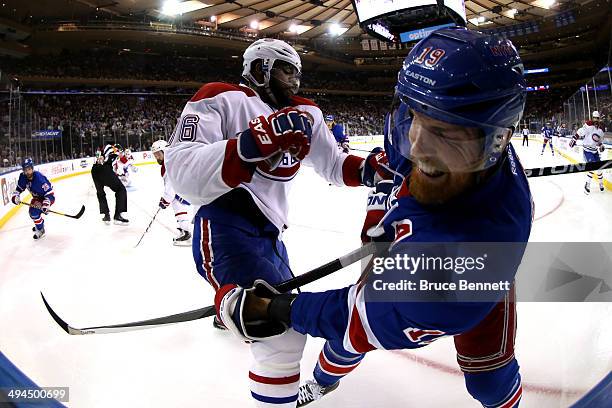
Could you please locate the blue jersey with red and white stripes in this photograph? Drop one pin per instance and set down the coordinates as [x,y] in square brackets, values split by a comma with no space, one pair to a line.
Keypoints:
[498,211]
[39,186]
[338,132]
[547,132]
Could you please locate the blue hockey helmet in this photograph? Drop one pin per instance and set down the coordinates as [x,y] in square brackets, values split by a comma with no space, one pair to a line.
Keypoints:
[329,118]
[466,79]
[28,162]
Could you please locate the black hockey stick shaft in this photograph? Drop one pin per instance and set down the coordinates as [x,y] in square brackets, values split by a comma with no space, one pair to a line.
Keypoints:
[569,168]
[360,150]
[149,226]
[208,311]
[76,216]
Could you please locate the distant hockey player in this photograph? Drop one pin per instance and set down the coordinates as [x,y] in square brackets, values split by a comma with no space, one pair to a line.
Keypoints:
[547,134]
[103,176]
[123,165]
[338,132]
[180,206]
[233,155]
[42,195]
[592,144]
[526,136]
[463,184]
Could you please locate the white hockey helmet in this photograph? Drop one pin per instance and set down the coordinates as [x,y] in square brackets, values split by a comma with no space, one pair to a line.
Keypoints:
[268,50]
[595,115]
[159,146]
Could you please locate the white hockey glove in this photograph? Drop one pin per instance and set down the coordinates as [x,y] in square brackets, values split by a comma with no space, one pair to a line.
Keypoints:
[230,301]
[380,201]
[15,198]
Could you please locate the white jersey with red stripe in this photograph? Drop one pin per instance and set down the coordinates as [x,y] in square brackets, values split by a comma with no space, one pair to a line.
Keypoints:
[203,162]
[592,136]
[169,193]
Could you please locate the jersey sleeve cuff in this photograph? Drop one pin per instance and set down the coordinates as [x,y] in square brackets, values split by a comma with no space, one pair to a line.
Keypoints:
[234,170]
[351,173]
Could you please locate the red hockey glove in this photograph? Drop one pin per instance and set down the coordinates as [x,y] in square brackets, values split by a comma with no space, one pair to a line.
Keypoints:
[15,198]
[287,130]
[375,168]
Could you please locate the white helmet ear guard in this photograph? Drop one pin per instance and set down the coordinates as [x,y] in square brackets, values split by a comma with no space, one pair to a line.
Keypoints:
[159,146]
[268,50]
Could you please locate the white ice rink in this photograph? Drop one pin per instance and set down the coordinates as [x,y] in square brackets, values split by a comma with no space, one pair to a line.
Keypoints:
[92,275]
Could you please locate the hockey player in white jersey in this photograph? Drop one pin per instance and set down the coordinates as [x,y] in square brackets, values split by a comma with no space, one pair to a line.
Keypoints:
[233,155]
[592,145]
[181,208]
[123,165]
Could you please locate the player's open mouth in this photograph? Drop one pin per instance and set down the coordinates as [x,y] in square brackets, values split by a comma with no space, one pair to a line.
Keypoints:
[429,170]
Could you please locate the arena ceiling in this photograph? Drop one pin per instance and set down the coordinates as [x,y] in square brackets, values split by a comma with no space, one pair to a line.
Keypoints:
[574,51]
[304,18]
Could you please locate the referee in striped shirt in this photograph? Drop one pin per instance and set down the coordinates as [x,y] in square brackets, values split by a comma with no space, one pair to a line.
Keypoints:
[104,176]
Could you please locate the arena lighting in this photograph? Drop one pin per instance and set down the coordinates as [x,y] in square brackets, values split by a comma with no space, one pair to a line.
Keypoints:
[293,28]
[336,29]
[477,20]
[175,7]
[536,71]
[543,3]
[512,12]
[170,7]
[254,25]
[213,19]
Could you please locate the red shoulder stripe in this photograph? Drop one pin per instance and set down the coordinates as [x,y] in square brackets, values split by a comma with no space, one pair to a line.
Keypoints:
[298,100]
[213,89]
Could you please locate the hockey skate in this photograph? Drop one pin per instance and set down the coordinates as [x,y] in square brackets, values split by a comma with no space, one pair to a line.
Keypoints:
[182,240]
[218,324]
[587,189]
[106,219]
[313,391]
[601,188]
[38,233]
[119,220]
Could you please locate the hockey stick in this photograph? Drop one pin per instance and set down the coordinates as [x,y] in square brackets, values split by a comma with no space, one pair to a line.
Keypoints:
[76,216]
[149,226]
[360,150]
[568,168]
[208,311]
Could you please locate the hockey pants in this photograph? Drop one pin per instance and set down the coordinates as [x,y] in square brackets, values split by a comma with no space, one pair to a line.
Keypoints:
[240,253]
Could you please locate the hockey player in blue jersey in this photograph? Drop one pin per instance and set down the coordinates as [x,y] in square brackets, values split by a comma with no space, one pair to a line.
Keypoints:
[42,195]
[338,132]
[547,134]
[460,95]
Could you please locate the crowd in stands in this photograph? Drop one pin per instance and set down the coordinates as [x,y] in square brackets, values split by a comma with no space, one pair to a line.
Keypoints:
[89,121]
[107,64]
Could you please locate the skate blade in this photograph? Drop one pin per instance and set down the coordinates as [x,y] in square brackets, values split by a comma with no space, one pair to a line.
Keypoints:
[121,223]
[182,243]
